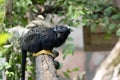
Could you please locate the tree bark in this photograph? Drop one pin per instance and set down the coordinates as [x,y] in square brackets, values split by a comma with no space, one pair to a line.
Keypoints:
[110,67]
[45,69]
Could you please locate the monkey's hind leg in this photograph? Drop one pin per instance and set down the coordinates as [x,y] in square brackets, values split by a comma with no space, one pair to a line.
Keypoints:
[47,52]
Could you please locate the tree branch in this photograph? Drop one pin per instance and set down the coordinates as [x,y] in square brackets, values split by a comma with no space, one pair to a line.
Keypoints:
[45,69]
[42,9]
[106,69]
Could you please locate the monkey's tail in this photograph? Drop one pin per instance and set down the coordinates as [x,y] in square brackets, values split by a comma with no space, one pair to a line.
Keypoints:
[24,53]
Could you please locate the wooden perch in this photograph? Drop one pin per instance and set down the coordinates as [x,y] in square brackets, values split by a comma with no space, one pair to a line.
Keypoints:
[45,69]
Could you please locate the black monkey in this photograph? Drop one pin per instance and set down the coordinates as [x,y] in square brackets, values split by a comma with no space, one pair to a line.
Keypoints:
[42,40]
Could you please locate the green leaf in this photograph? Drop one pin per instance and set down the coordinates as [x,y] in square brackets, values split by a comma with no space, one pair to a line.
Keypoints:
[1,17]
[112,27]
[106,20]
[116,16]
[107,36]
[2,1]
[3,38]
[118,32]
[76,69]
[7,65]
[30,78]
[69,49]
[29,68]
[35,10]
[93,27]
[69,71]
[108,11]
[66,75]
[2,10]
[9,73]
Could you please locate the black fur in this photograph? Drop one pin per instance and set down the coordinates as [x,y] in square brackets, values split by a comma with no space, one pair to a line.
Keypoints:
[42,38]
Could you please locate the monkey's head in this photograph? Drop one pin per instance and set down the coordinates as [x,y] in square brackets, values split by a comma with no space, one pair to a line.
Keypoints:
[62,31]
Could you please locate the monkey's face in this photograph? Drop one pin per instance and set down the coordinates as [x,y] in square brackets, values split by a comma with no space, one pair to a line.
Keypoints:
[62,31]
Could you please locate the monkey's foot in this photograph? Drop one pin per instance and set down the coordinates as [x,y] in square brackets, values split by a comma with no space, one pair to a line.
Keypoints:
[47,52]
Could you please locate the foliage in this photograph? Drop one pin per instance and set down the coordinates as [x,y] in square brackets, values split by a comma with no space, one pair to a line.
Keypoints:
[12,62]
[19,13]
[39,1]
[94,13]
[118,32]
[67,72]
[3,38]
[11,65]
[2,13]
[68,48]
[2,10]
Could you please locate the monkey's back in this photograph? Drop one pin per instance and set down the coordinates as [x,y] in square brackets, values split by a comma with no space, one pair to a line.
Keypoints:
[31,41]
